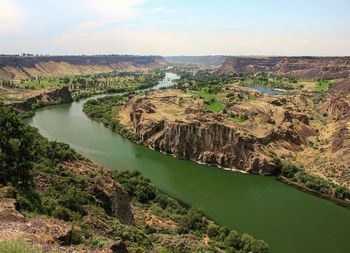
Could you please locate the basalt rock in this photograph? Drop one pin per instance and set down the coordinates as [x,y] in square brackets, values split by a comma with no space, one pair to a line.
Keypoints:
[115,200]
[56,96]
[13,225]
[339,108]
[295,67]
[208,138]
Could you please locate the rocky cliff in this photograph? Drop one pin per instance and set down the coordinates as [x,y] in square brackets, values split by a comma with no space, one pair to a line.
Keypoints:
[190,132]
[24,67]
[296,67]
[60,95]
[297,128]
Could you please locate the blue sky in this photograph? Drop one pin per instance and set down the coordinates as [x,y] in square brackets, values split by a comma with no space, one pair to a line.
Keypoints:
[175,27]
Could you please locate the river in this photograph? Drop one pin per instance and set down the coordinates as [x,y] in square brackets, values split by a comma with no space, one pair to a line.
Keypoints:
[290,220]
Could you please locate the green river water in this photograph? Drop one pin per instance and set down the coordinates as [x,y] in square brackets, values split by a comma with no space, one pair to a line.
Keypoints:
[290,220]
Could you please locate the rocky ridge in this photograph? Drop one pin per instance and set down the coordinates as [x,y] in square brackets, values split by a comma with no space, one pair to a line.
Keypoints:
[25,67]
[295,67]
[59,95]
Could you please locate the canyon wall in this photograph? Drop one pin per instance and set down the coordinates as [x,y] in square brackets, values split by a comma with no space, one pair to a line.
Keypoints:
[207,60]
[189,132]
[24,67]
[295,67]
[60,95]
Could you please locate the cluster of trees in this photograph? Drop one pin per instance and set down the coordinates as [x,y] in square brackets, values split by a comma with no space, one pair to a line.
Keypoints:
[103,110]
[8,84]
[312,182]
[115,80]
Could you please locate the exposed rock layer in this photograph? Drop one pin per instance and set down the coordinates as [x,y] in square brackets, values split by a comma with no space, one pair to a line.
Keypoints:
[18,67]
[200,135]
[296,67]
[55,96]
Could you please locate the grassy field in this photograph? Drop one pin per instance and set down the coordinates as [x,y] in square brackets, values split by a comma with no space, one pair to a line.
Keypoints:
[323,85]
[213,102]
[35,84]
[215,106]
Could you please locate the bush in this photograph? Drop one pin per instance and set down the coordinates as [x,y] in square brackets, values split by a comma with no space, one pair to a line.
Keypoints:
[194,220]
[233,239]
[213,230]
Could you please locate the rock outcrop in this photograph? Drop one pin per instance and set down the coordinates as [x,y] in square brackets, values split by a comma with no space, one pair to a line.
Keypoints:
[114,199]
[14,225]
[297,127]
[197,134]
[60,95]
[342,87]
[295,67]
[24,67]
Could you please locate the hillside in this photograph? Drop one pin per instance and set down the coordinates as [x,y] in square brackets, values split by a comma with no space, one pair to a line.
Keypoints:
[208,60]
[295,67]
[25,67]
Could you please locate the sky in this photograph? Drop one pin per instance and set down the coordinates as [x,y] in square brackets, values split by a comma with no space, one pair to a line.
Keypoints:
[176,27]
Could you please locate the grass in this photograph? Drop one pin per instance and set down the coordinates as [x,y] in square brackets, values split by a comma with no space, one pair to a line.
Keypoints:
[34,84]
[215,106]
[240,118]
[18,246]
[323,86]
[252,97]
[204,94]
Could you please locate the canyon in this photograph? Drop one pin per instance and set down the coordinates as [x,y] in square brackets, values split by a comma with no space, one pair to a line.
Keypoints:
[26,67]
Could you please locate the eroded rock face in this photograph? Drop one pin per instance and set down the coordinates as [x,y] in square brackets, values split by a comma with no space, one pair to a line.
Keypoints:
[114,199]
[207,137]
[56,96]
[24,67]
[339,108]
[296,67]
[14,225]
[51,235]
[342,87]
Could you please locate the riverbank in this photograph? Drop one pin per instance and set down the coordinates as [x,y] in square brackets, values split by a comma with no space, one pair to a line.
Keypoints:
[341,202]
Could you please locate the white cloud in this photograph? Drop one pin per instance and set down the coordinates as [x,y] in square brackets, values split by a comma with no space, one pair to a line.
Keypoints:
[112,11]
[11,17]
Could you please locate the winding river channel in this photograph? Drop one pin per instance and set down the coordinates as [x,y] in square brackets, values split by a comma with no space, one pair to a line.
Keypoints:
[290,220]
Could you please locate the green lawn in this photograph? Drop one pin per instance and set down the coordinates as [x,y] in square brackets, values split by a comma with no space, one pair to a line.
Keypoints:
[323,86]
[216,106]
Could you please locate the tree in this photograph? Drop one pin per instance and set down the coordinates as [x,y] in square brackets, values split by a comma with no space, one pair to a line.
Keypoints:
[16,148]
[233,239]
[194,220]
[66,80]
